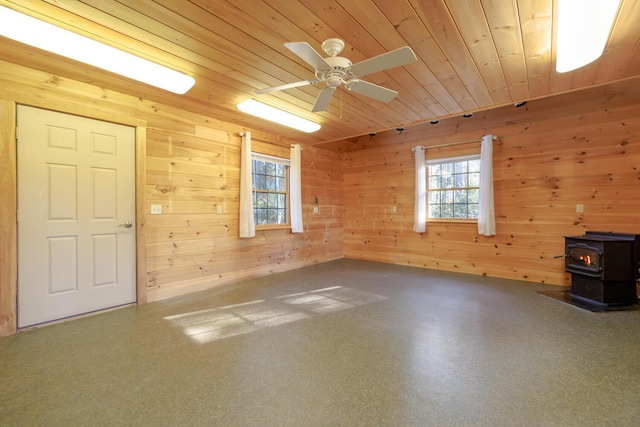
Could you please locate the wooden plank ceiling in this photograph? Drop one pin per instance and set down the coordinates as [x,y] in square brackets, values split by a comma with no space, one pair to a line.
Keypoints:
[473,55]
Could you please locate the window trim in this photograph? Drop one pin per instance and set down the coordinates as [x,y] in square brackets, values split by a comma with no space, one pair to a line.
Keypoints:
[440,160]
[281,161]
[463,158]
[268,158]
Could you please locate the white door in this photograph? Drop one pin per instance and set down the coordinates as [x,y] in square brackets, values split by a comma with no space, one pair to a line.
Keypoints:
[76,209]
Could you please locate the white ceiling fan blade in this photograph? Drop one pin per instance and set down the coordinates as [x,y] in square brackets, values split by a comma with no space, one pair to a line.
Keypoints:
[288,86]
[309,55]
[322,102]
[372,91]
[395,58]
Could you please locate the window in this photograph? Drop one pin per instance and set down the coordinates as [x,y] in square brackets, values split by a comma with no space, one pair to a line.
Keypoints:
[270,182]
[453,187]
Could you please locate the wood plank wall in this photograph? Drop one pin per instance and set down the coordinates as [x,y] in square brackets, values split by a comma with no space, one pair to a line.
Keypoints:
[191,166]
[8,207]
[552,154]
[192,246]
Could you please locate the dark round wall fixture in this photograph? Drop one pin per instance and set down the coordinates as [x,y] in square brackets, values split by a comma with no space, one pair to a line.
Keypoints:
[520,104]
[434,122]
[466,115]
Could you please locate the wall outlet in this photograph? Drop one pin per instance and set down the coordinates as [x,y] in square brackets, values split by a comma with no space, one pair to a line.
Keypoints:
[156,209]
[579,208]
[394,209]
[219,209]
[315,210]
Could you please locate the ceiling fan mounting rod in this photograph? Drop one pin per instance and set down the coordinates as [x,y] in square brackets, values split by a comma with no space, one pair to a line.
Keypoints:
[332,46]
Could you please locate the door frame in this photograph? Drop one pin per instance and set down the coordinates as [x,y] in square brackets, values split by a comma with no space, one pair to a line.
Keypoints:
[8,207]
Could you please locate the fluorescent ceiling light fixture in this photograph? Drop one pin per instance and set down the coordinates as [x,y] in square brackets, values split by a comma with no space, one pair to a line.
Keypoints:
[34,32]
[583,30]
[267,112]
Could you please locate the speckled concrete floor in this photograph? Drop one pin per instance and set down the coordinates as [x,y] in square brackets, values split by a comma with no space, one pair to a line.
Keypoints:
[346,343]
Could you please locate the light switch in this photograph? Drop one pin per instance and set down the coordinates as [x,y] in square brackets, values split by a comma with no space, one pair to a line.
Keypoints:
[219,209]
[394,209]
[579,208]
[315,210]
[156,209]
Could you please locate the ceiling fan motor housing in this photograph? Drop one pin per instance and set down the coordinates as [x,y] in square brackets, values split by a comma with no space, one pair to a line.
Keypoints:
[339,70]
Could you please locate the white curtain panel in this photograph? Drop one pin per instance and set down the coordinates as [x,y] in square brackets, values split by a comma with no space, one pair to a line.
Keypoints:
[295,189]
[247,223]
[486,210]
[420,207]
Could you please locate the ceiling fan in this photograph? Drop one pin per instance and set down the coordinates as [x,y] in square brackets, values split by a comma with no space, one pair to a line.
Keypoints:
[336,70]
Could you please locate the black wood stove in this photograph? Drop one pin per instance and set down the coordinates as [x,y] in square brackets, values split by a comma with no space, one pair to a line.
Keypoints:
[604,267]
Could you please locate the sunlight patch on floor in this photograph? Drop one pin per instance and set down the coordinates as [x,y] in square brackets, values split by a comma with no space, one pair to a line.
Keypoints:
[328,300]
[223,322]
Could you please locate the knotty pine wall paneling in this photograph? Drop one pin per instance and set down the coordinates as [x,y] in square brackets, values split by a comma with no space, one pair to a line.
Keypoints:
[552,154]
[8,228]
[191,245]
[190,167]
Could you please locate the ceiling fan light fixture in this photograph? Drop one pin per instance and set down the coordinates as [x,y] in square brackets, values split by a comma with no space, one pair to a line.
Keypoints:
[334,81]
[267,112]
[42,35]
[582,32]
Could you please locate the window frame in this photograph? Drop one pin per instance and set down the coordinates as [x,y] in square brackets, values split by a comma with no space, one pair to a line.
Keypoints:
[450,160]
[255,156]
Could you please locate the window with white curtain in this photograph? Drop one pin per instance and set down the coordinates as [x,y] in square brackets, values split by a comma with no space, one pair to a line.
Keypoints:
[453,187]
[270,187]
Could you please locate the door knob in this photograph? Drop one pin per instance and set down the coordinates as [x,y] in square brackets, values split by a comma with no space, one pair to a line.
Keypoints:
[127,224]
